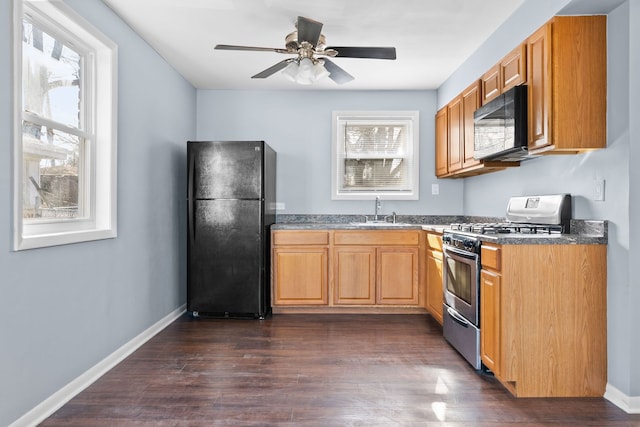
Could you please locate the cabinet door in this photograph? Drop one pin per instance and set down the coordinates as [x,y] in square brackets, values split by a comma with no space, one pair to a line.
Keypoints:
[300,276]
[434,284]
[397,276]
[354,275]
[513,68]
[490,317]
[539,82]
[442,143]
[456,133]
[470,103]
[490,84]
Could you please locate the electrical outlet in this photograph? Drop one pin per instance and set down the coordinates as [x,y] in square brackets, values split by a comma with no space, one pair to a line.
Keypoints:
[435,189]
[279,206]
[598,190]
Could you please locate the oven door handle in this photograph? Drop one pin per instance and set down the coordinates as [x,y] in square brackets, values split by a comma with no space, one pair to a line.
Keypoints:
[461,253]
[457,317]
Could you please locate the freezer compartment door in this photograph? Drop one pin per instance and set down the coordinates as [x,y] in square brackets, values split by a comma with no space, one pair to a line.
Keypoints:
[225,170]
[226,263]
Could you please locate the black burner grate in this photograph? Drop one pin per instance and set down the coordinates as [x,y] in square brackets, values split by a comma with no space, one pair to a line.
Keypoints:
[507,227]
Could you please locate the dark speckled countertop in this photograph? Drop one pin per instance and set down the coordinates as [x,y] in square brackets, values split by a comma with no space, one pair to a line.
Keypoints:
[583,232]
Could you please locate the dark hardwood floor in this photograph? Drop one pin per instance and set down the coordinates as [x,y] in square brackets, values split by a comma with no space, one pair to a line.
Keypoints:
[313,370]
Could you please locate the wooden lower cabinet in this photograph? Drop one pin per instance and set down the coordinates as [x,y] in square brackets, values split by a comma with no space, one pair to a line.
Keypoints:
[301,275]
[300,268]
[347,268]
[543,318]
[397,276]
[369,275]
[434,273]
[490,312]
[354,275]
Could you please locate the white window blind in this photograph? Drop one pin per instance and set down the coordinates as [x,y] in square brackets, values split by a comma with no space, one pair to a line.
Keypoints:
[375,154]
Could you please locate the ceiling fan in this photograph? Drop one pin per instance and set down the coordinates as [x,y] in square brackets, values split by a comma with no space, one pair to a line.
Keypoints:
[312,55]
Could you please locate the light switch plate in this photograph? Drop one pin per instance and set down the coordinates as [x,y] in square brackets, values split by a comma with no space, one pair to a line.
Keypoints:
[435,189]
[598,190]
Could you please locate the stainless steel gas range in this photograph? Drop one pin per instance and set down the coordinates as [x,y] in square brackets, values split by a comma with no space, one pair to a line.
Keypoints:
[549,214]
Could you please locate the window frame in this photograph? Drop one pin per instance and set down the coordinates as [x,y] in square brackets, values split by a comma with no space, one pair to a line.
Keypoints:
[413,144]
[99,116]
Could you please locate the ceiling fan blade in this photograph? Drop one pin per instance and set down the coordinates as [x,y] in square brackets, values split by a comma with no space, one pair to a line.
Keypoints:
[249,48]
[308,30]
[272,70]
[337,74]
[365,52]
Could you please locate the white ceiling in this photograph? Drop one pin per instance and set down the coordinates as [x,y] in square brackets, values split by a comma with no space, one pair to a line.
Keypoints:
[432,37]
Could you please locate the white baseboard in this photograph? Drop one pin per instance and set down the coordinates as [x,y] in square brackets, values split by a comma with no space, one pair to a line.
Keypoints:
[66,393]
[629,404]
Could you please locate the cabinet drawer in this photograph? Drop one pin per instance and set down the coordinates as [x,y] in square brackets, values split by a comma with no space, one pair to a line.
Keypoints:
[377,237]
[293,238]
[434,241]
[490,256]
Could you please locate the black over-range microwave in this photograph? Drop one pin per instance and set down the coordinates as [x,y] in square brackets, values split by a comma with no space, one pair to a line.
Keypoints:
[500,127]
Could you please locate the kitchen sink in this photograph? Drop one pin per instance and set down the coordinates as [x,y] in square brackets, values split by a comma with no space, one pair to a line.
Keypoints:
[381,224]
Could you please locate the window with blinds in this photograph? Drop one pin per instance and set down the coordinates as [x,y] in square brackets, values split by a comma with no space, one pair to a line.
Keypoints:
[375,154]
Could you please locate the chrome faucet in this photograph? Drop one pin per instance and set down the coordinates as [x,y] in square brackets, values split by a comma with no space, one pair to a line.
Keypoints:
[378,207]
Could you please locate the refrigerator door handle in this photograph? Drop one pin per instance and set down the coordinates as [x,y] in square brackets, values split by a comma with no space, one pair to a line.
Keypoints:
[190,200]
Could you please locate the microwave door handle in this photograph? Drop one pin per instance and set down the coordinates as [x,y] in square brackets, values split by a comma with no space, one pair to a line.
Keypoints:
[457,317]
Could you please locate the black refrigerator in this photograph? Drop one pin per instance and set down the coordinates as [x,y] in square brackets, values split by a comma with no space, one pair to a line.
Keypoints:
[231,206]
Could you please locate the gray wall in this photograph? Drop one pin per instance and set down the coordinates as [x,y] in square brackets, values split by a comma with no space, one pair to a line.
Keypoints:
[487,195]
[298,126]
[63,309]
[631,14]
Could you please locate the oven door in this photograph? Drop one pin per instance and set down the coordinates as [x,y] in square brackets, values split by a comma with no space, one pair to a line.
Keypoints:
[461,281]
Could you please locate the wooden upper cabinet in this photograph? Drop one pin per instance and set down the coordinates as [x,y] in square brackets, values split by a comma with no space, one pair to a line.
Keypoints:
[456,133]
[455,137]
[567,79]
[442,143]
[490,84]
[513,68]
[460,126]
[509,72]
[539,87]
[470,103]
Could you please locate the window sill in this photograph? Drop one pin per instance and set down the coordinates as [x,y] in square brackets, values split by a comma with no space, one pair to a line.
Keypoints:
[57,239]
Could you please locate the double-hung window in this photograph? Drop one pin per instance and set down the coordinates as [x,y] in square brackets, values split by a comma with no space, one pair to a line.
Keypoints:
[64,127]
[375,153]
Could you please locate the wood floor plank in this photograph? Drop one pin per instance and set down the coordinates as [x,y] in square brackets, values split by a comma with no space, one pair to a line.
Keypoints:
[313,370]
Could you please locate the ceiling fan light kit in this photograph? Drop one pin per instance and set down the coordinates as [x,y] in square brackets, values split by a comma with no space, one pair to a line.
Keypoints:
[308,43]
[305,72]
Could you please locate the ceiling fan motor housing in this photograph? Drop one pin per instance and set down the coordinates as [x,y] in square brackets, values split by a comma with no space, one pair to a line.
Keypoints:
[291,42]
